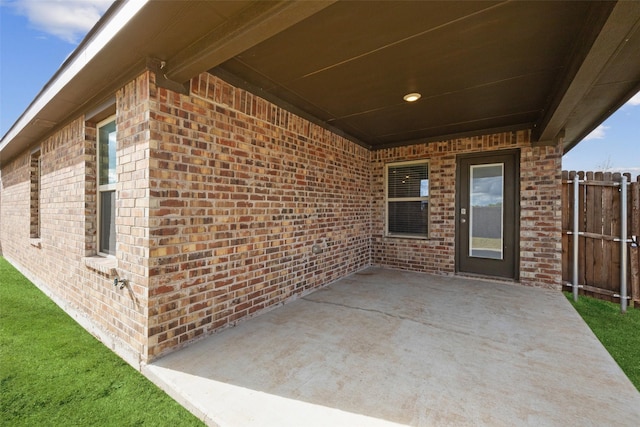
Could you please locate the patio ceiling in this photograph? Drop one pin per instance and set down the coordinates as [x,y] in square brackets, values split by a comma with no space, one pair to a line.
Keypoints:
[479,66]
[559,68]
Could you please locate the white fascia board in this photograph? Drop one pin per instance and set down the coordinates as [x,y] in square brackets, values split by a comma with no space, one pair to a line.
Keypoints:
[78,60]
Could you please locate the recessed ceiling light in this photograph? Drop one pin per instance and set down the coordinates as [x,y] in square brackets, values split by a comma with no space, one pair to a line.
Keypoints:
[412,97]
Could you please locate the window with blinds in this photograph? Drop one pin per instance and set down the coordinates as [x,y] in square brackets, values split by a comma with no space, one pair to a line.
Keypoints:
[407,195]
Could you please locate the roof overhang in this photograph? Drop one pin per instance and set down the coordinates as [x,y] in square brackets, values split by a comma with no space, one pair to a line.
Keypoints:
[603,74]
[188,36]
[559,68]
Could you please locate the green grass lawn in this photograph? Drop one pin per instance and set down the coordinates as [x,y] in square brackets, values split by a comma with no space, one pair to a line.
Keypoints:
[619,333]
[54,373]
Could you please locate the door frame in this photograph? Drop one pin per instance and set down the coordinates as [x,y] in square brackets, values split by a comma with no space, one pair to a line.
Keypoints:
[515,154]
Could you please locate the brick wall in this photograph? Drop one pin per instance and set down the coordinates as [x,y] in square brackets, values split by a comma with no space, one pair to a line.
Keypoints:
[133,203]
[60,261]
[541,217]
[61,206]
[228,205]
[15,209]
[540,226]
[241,192]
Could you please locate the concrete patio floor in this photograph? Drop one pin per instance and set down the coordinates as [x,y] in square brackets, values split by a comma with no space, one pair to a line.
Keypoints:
[385,347]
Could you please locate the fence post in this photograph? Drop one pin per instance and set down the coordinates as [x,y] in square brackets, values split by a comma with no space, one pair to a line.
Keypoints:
[623,244]
[635,251]
[576,234]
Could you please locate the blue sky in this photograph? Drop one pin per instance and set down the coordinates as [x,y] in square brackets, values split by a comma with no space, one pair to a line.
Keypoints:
[36,36]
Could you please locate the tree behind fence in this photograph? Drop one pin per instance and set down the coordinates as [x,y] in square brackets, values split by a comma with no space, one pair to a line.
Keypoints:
[599,220]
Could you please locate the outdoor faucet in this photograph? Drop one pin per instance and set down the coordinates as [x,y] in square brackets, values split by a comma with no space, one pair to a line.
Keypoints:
[121,282]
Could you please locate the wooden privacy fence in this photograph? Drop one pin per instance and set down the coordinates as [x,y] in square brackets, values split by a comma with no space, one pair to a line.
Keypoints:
[600,220]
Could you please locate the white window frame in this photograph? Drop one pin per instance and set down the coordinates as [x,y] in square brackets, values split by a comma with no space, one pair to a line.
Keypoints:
[424,199]
[102,188]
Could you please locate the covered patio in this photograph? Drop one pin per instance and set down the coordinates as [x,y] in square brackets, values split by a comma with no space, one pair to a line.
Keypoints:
[387,347]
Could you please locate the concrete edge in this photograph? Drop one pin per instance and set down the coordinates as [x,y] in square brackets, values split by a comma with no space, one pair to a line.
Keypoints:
[176,394]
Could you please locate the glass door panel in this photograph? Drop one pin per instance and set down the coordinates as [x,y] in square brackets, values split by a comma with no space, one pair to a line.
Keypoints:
[486,214]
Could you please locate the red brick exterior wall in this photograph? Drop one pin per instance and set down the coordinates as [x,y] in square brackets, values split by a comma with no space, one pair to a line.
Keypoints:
[228,205]
[241,192]
[540,207]
[57,261]
[541,217]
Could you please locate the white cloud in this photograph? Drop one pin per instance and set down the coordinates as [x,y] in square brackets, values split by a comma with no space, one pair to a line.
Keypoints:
[635,100]
[597,133]
[68,20]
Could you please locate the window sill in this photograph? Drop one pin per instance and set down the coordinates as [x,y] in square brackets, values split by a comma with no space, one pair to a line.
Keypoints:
[406,236]
[104,265]
[36,242]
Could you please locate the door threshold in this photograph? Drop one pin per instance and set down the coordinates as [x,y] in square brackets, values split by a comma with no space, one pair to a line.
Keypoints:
[487,278]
